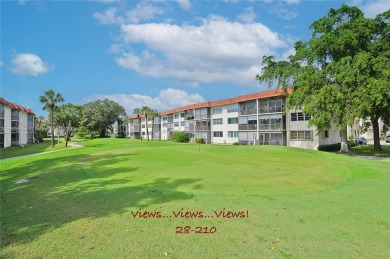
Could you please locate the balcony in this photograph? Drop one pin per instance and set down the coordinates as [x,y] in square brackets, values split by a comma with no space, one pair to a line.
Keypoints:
[278,126]
[14,117]
[247,127]
[199,128]
[270,109]
[14,129]
[247,112]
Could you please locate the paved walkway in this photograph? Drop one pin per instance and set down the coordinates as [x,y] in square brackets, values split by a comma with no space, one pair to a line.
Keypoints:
[71,145]
[385,159]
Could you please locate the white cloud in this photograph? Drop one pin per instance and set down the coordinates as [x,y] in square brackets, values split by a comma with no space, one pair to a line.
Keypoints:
[248,16]
[108,17]
[284,13]
[167,99]
[184,4]
[141,12]
[373,8]
[290,2]
[28,64]
[218,50]
[22,2]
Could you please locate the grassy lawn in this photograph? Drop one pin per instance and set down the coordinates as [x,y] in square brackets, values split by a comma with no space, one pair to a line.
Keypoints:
[368,151]
[32,148]
[295,203]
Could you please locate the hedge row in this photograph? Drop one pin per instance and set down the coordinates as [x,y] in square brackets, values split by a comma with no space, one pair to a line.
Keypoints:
[334,147]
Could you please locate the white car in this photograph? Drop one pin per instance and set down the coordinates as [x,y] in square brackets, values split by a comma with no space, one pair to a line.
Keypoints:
[388,139]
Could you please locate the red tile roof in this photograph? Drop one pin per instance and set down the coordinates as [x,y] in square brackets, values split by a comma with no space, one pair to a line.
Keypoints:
[15,106]
[242,98]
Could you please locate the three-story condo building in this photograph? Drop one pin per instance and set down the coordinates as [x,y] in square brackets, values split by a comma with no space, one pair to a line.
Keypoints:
[17,124]
[253,119]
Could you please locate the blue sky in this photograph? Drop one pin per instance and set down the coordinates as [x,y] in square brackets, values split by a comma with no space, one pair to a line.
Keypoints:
[163,54]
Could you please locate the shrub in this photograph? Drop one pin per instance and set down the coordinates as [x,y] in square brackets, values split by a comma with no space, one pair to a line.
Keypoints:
[199,140]
[334,147]
[40,134]
[179,136]
[330,148]
[236,143]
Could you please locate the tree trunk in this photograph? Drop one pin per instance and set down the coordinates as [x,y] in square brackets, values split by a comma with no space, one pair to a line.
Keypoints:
[102,133]
[67,133]
[376,131]
[52,127]
[140,128]
[344,141]
[152,127]
[147,131]
[58,135]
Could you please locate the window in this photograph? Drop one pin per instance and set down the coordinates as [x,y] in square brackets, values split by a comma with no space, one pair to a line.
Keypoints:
[182,123]
[176,116]
[176,124]
[182,115]
[264,123]
[232,134]
[299,116]
[326,134]
[218,134]
[301,135]
[217,110]
[251,105]
[143,126]
[217,121]
[165,119]
[275,105]
[1,111]
[15,137]
[232,108]
[232,120]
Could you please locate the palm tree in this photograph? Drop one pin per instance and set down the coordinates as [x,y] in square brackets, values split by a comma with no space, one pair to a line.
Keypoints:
[145,110]
[153,114]
[50,99]
[137,111]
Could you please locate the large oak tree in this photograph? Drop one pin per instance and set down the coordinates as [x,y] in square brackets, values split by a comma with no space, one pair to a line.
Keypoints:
[340,73]
[100,115]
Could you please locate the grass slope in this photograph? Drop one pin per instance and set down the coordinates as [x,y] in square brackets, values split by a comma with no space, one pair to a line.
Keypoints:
[300,203]
[28,149]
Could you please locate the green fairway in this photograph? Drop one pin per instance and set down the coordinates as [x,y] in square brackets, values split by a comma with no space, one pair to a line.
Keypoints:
[292,203]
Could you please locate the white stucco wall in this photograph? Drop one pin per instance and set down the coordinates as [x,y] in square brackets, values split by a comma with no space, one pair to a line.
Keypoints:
[333,136]
[225,127]
[300,126]
[23,128]
[7,126]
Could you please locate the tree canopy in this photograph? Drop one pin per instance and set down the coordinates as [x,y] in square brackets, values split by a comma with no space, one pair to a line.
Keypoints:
[67,117]
[100,115]
[340,73]
[50,100]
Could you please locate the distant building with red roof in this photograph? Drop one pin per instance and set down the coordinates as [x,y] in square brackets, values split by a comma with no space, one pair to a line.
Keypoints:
[17,124]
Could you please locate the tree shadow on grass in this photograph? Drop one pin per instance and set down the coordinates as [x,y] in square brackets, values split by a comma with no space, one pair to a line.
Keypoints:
[72,187]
